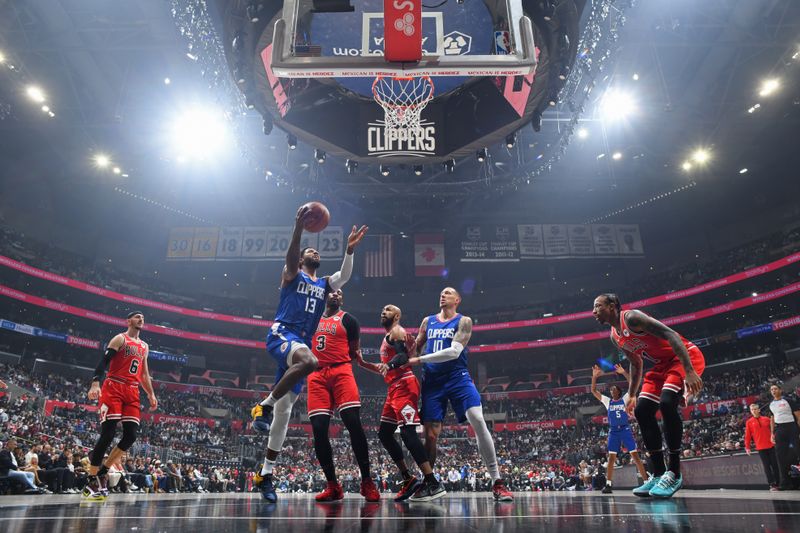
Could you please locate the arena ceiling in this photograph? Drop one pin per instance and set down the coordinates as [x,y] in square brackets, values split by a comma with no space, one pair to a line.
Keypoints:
[103,66]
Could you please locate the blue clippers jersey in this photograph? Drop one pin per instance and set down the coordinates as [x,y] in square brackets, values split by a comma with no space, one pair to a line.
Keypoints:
[440,336]
[302,304]
[617,415]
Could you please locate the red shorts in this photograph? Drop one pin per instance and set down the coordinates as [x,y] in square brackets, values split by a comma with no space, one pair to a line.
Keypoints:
[670,375]
[330,388]
[402,399]
[119,401]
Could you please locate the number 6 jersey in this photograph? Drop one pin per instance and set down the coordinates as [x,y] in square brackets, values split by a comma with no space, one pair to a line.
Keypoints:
[126,365]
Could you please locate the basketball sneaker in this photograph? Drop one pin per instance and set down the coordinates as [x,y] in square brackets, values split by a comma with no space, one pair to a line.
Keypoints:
[264,485]
[262,418]
[667,485]
[501,493]
[92,492]
[408,489]
[369,491]
[607,489]
[333,493]
[643,491]
[428,491]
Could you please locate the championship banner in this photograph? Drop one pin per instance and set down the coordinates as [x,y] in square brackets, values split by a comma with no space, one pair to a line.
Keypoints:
[249,243]
[490,243]
[428,254]
[531,241]
[629,239]
[565,241]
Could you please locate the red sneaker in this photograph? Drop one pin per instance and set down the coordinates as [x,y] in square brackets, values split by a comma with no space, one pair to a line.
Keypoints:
[501,493]
[369,491]
[332,493]
[407,490]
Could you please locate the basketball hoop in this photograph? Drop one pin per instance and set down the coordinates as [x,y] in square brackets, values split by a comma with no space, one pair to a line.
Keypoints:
[402,98]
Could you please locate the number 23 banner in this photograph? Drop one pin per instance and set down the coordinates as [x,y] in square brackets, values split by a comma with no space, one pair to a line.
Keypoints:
[249,243]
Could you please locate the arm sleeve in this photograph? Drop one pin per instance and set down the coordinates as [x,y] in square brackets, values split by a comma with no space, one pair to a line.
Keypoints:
[100,370]
[342,276]
[606,400]
[352,326]
[448,354]
[401,357]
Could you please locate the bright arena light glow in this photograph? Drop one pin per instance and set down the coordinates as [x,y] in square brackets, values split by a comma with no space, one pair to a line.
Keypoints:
[36,94]
[701,156]
[616,156]
[2,58]
[583,133]
[687,166]
[743,171]
[199,133]
[102,160]
[769,86]
[617,105]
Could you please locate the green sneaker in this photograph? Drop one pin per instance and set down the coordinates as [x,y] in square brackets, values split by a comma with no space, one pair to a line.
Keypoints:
[667,486]
[644,490]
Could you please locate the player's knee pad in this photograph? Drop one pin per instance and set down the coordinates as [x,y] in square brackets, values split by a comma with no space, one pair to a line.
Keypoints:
[129,431]
[107,430]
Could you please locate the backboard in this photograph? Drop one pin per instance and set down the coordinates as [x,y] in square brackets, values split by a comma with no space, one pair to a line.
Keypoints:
[470,39]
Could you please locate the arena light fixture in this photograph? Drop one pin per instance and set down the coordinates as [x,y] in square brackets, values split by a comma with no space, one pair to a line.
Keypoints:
[617,105]
[418,170]
[199,132]
[116,170]
[769,86]
[384,170]
[701,156]
[351,166]
[511,139]
[320,155]
[635,76]
[2,58]
[291,140]
[481,155]
[616,156]
[167,81]
[686,166]
[743,171]
[583,133]
[102,160]
[449,166]
[36,94]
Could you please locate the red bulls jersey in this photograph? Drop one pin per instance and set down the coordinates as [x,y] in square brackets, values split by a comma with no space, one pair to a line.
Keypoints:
[645,345]
[387,354]
[331,341]
[126,365]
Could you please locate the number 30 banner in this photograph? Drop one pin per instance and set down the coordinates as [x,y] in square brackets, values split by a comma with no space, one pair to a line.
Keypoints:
[259,243]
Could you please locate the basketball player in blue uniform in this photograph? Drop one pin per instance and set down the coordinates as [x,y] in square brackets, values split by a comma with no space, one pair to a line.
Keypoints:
[302,302]
[445,377]
[619,431]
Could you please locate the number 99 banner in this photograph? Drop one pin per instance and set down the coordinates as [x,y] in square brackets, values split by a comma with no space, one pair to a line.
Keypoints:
[265,243]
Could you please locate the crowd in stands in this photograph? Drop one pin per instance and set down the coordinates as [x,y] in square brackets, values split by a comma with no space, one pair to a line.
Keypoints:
[166,456]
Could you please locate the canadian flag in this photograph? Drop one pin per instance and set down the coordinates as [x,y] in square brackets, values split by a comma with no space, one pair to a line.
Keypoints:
[429,254]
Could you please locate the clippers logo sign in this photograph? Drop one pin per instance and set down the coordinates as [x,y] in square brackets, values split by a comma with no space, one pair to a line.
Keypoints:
[387,142]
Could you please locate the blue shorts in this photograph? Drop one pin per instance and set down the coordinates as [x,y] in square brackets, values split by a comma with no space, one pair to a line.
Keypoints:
[458,389]
[280,343]
[621,437]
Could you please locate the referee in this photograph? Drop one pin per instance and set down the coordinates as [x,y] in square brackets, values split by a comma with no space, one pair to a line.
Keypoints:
[759,429]
[785,433]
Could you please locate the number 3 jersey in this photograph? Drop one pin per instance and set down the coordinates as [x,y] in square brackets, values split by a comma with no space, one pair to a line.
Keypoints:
[302,304]
[331,344]
[126,365]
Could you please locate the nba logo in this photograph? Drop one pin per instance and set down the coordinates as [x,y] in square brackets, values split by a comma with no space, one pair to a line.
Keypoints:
[502,43]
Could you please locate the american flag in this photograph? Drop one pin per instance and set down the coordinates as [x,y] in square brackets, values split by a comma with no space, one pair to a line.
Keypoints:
[378,256]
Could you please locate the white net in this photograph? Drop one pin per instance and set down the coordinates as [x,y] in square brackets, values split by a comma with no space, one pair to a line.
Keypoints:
[402,99]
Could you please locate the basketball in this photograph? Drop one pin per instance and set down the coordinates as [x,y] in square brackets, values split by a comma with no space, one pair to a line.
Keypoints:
[318,218]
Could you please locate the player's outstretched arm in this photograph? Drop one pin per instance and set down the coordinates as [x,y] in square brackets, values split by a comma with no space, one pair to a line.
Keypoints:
[460,339]
[292,266]
[639,322]
[99,371]
[342,276]
[366,365]
[147,383]
[596,372]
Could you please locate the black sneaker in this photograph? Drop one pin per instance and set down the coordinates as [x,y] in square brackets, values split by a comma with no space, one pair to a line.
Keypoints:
[264,485]
[607,489]
[428,492]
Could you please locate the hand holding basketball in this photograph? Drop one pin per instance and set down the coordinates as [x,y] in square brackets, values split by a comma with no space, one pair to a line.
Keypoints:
[355,237]
[313,216]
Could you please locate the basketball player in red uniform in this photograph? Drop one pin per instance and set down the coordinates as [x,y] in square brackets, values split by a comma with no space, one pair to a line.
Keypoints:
[332,386]
[678,365]
[400,408]
[126,359]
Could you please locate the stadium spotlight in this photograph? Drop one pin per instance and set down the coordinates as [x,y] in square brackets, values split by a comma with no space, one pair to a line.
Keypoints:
[635,76]
[116,170]
[36,94]
[418,170]
[291,140]
[351,166]
[701,156]
[2,58]
[583,133]
[616,156]
[384,170]
[769,86]
[102,160]
[482,154]
[511,139]
[686,166]
[743,171]
[319,155]
[449,166]
[199,132]
[617,105]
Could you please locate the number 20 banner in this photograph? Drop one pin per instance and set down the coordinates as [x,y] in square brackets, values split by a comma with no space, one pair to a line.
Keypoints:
[248,243]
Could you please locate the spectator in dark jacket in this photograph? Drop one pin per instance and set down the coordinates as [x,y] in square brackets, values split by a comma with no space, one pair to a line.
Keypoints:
[9,468]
